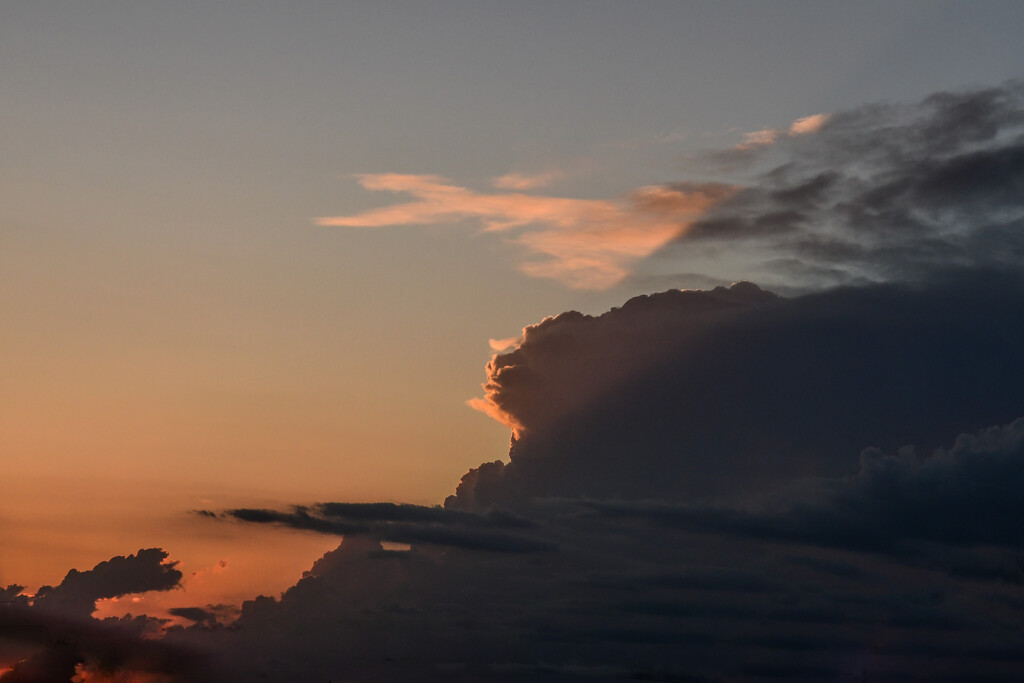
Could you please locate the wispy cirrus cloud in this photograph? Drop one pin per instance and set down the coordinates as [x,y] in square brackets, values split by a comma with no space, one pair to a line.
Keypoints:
[769,136]
[583,243]
[527,181]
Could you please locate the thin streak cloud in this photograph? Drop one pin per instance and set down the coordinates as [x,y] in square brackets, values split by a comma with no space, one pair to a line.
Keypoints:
[526,181]
[582,243]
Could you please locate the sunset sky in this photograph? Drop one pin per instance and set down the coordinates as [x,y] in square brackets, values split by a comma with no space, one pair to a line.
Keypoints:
[259,254]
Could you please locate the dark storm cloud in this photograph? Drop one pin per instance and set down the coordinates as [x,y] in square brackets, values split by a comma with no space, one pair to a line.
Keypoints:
[51,636]
[195,614]
[55,644]
[625,597]
[881,192]
[404,523]
[708,394]
[147,570]
[967,495]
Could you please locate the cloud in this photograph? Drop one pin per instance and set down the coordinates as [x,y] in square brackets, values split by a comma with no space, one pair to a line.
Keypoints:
[196,614]
[756,142]
[706,394]
[492,531]
[500,345]
[583,243]
[61,647]
[522,181]
[759,138]
[563,564]
[51,636]
[701,485]
[964,496]
[147,570]
[809,124]
[630,592]
[876,193]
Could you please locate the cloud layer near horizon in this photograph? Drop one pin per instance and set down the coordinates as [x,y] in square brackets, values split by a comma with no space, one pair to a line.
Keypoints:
[662,465]
[51,637]
[910,568]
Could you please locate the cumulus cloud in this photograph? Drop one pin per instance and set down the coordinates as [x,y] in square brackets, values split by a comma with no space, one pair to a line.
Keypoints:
[965,496]
[51,636]
[590,555]
[148,569]
[584,243]
[716,393]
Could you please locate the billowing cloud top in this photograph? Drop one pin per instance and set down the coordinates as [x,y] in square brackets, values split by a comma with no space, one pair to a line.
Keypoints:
[688,394]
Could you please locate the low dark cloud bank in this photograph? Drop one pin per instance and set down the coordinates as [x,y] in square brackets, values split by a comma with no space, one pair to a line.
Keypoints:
[703,486]
[723,490]
[52,638]
[493,531]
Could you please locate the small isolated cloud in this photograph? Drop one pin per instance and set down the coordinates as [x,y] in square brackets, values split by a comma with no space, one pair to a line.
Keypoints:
[809,124]
[583,243]
[766,137]
[759,138]
[500,345]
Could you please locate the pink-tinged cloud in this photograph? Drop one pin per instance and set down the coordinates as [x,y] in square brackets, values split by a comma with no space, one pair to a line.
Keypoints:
[526,181]
[769,136]
[500,345]
[491,410]
[809,124]
[759,138]
[583,243]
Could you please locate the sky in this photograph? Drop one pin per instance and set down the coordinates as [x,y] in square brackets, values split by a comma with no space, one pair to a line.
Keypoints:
[256,261]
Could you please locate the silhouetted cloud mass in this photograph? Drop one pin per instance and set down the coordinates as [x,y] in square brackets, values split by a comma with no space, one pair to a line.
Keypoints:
[492,531]
[725,490]
[147,570]
[52,637]
[704,394]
